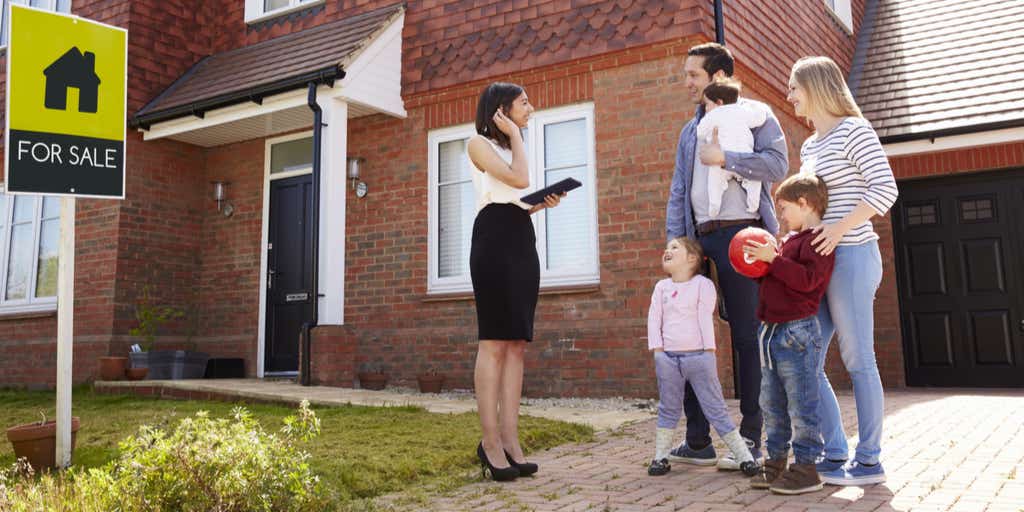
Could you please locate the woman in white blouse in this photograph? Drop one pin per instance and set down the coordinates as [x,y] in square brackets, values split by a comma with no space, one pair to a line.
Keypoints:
[844,151]
[505,271]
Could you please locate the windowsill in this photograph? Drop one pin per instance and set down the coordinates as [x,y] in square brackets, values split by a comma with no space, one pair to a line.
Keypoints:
[282,12]
[842,23]
[26,312]
[551,290]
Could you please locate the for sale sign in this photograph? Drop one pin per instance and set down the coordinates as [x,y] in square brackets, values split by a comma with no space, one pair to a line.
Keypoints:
[66,95]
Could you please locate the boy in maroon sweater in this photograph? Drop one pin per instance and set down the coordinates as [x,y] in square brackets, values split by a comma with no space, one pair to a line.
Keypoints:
[790,338]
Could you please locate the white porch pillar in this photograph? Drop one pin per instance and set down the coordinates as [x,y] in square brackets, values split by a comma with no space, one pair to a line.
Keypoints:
[333,180]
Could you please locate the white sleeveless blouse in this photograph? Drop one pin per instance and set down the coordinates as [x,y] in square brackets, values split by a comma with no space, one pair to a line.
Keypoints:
[490,189]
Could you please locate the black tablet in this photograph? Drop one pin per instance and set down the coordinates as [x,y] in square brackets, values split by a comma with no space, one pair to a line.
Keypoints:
[557,188]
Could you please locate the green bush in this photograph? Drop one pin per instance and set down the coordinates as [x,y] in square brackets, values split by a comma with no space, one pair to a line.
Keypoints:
[223,465]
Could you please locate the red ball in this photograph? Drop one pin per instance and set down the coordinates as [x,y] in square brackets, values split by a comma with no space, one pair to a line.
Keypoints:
[744,264]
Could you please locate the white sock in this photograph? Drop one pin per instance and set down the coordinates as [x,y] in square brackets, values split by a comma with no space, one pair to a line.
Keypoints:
[737,446]
[663,442]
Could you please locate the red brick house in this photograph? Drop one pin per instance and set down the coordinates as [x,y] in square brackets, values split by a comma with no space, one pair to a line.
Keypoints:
[219,92]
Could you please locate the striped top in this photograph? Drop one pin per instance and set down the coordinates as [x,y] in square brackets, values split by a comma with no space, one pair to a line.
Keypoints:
[851,162]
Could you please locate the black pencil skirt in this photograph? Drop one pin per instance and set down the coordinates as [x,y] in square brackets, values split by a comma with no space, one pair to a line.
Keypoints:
[505,271]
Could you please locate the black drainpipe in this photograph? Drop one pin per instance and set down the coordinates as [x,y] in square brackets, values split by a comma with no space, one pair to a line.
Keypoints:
[307,328]
[719,23]
[720,39]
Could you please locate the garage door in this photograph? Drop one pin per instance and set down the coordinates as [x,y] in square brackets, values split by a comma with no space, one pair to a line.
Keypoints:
[959,247]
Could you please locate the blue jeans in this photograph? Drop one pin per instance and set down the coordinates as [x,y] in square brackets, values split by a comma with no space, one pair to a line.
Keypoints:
[848,310]
[740,297]
[789,388]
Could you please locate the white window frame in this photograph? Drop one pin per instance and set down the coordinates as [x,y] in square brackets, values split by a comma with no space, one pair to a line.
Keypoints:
[31,303]
[255,11]
[51,5]
[842,11]
[589,275]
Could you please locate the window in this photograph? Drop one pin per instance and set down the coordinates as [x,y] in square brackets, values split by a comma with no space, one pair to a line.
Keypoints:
[30,231]
[49,5]
[257,10]
[559,144]
[978,209]
[842,12]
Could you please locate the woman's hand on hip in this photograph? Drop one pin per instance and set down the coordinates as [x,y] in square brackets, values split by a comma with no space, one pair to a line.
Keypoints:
[828,237]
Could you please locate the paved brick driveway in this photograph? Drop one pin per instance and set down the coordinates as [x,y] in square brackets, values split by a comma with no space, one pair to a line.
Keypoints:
[959,450]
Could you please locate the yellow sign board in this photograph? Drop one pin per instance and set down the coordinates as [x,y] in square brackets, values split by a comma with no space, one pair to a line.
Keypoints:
[66,105]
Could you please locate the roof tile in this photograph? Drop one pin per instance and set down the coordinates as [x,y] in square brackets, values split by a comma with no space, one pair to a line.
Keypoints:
[918,79]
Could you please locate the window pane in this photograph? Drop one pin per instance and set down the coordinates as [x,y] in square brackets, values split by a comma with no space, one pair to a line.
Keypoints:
[270,5]
[51,208]
[456,207]
[63,5]
[42,4]
[292,155]
[570,240]
[20,265]
[46,275]
[565,144]
[24,209]
[452,161]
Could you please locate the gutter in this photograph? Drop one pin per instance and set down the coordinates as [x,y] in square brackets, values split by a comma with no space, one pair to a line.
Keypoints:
[958,130]
[719,24]
[325,76]
[307,328]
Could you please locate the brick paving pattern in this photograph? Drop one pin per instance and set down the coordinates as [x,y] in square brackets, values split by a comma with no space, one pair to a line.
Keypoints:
[960,450]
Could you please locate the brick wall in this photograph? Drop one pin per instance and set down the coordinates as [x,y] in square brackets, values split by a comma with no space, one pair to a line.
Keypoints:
[769,36]
[590,343]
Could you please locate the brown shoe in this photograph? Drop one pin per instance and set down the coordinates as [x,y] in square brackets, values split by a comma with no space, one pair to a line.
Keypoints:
[798,479]
[771,470]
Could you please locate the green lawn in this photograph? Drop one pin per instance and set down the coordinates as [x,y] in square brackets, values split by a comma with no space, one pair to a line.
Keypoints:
[362,452]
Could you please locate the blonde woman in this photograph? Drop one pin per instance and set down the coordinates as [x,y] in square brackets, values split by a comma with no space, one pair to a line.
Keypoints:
[844,151]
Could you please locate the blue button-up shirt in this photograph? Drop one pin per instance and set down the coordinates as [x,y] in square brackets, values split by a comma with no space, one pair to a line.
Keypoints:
[768,163]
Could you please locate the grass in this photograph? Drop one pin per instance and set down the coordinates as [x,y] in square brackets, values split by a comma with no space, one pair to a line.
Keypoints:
[362,452]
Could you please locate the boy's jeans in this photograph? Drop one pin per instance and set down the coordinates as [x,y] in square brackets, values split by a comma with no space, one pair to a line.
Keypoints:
[789,388]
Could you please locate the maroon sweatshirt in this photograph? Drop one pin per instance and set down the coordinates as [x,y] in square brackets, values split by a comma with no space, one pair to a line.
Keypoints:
[795,282]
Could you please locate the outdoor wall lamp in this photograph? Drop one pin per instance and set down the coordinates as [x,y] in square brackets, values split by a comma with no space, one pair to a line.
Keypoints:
[354,163]
[220,194]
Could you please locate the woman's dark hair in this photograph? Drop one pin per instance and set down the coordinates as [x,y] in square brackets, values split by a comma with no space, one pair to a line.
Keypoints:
[498,94]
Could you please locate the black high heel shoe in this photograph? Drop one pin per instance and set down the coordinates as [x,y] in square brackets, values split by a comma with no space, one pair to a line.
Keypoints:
[525,469]
[497,474]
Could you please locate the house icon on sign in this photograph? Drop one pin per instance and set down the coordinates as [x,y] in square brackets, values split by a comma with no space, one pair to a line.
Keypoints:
[73,69]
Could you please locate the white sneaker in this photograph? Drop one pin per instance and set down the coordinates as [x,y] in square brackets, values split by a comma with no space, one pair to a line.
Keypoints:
[728,461]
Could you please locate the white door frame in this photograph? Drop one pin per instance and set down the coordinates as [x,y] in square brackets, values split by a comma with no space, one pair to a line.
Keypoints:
[334,150]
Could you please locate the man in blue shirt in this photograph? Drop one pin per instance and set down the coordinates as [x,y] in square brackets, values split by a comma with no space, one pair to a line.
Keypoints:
[688,216]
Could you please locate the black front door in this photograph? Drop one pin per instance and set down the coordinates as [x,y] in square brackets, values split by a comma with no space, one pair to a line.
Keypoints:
[289,299]
[959,244]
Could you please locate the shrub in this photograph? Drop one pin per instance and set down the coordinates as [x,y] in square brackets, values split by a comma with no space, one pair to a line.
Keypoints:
[223,465]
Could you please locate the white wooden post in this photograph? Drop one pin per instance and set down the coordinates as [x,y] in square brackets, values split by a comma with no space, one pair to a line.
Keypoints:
[65,318]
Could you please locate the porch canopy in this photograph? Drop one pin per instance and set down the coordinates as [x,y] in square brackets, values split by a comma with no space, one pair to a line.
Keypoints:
[261,90]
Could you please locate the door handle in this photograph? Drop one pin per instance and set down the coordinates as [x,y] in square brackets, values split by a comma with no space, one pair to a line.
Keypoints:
[270,279]
[1022,326]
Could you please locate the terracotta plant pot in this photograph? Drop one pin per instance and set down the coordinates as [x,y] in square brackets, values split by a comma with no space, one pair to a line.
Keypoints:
[38,442]
[136,373]
[430,383]
[375,380]
[112,368]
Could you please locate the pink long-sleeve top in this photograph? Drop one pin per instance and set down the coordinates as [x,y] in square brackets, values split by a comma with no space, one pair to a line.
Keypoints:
[681,315]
